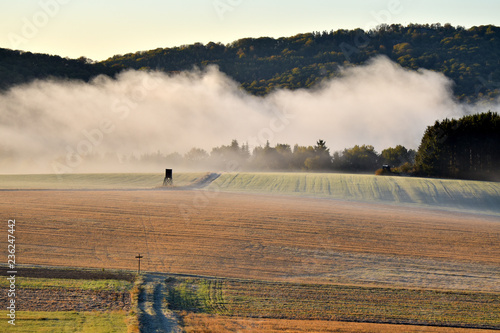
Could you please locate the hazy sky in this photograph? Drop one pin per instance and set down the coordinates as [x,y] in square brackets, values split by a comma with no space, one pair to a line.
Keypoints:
[99,29]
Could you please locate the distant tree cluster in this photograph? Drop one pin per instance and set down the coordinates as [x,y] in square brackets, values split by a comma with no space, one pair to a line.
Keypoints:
[465,148]
[283,157]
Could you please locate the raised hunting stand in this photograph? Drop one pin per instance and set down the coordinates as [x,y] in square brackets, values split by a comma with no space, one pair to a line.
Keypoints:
[168,181]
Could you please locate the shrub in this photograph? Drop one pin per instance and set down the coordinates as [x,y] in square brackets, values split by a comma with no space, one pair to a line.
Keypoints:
[383,172]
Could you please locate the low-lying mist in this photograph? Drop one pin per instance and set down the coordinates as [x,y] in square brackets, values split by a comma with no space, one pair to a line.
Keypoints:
[56,126]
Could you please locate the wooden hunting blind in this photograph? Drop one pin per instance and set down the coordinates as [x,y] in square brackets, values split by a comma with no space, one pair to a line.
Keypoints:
[168,181]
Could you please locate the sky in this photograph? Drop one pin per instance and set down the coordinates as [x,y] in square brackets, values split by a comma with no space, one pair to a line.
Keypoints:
[99,29]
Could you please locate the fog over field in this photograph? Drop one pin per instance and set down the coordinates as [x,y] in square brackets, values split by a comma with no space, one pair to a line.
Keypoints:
[55,126]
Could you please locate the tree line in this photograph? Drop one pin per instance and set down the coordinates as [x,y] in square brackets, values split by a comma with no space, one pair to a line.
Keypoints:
[283,157]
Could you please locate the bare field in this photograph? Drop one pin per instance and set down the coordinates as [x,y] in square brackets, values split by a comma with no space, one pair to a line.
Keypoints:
[203,323]
[62,299]
[323,302]
[261,237]
[93,181]
[66,322]
[448,194]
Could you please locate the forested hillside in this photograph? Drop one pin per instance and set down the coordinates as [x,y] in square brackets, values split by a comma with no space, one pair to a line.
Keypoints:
[471,57]
[17,67]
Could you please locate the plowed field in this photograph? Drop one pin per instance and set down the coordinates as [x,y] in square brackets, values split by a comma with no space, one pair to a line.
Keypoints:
[256,237]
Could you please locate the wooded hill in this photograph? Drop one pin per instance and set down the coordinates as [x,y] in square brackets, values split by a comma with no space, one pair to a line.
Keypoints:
[471,57]
[17,67]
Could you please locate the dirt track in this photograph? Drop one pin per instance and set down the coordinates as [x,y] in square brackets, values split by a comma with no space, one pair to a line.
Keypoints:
[256,236]
[155,315]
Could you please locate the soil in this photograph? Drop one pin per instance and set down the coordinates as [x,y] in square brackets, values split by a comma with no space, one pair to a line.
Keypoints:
[32,299]
[74,274]
[68,300]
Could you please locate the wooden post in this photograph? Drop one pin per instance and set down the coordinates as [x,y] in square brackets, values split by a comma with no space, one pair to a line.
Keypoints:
[139,268]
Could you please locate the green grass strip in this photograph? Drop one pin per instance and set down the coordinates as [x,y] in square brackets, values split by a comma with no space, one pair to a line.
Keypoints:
[43,283]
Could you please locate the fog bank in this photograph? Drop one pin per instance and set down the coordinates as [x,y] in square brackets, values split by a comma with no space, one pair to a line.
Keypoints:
[60,126]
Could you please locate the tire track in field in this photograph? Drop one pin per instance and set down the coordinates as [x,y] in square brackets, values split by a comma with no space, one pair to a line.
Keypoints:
[155,317]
